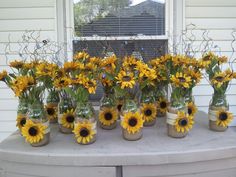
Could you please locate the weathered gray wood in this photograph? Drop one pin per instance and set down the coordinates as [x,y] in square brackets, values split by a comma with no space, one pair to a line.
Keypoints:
[201,153]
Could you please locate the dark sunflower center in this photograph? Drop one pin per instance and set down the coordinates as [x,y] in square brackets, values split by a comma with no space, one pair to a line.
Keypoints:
[207,58]
[223,116]
[219,78]
[148,112]
[182,79]
[22,121]
[84,132]
[190,111]
[90,84]
[108,116]
[163,104]
[33,131]
[70,118]
[183,122]
[133,122]
[126,78]
[119,107]
[62,82]
[50,111]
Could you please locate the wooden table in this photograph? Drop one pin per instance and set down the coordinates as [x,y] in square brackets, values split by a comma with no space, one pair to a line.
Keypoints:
[203,153]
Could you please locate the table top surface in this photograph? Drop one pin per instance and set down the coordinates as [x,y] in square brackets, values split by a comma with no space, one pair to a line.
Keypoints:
[110,148]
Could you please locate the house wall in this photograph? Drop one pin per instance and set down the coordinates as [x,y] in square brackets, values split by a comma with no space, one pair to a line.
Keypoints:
[16,17]
[219,17]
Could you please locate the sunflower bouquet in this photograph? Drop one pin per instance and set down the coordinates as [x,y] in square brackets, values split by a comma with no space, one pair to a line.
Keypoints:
[32,122]
[219,115]
[46,72]
[146,81]
[178,120]
[108,113]
[126,85]
[81,76]
[161,84]
[18,81]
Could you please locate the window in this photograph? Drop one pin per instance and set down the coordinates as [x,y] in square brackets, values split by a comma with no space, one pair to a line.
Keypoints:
[124,27]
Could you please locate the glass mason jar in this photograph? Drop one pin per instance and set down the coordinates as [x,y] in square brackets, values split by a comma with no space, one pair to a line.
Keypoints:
[85,126]
[190,103]
[108,113]
[161,97]
[66,114]
[217,105]
[177,123]
[22,111]
[148,106]
[37,130]
[52,105]
[131,120]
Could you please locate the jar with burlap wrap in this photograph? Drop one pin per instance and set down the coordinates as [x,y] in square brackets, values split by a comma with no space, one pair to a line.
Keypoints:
[85,125]
[37,130]
[131,121]
[52,105]
[108,113]
[148,107]
[22,111]
[177,105]
[218,104]
[66,114]
[161,100]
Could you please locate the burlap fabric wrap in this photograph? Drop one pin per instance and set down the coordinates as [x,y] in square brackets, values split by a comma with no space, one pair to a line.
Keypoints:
[61,127]
[46,137]
[131,136]
[171,117]
[212,116]
[94,127]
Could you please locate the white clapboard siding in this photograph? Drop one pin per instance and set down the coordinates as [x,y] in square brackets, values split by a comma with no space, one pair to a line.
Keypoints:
[219,18]
[17,17]
[210,3]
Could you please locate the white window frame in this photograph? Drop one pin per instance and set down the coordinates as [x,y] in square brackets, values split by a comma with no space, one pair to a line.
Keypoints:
[174,25]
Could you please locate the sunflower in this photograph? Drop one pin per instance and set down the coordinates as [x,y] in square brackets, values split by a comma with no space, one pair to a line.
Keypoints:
[28,66]
[62,82]
[132,122]
[33,132]
[222,59]
[21,83]
[20,121]
[16,64]
[81,56]
[219,79]
[108,116]
[181,80]
[91,86]
[206,60]
[109,63]
[70,66]
[130,62]
[84,132]
[46,69]
[68,119]
[162,105]
[192,109]
[224,118]
[3,75]
[183,123]
[195,75]
[51,111]
[149,112]
[125,79]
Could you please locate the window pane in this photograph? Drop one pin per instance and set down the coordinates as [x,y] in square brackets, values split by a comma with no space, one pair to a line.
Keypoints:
[119,17]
